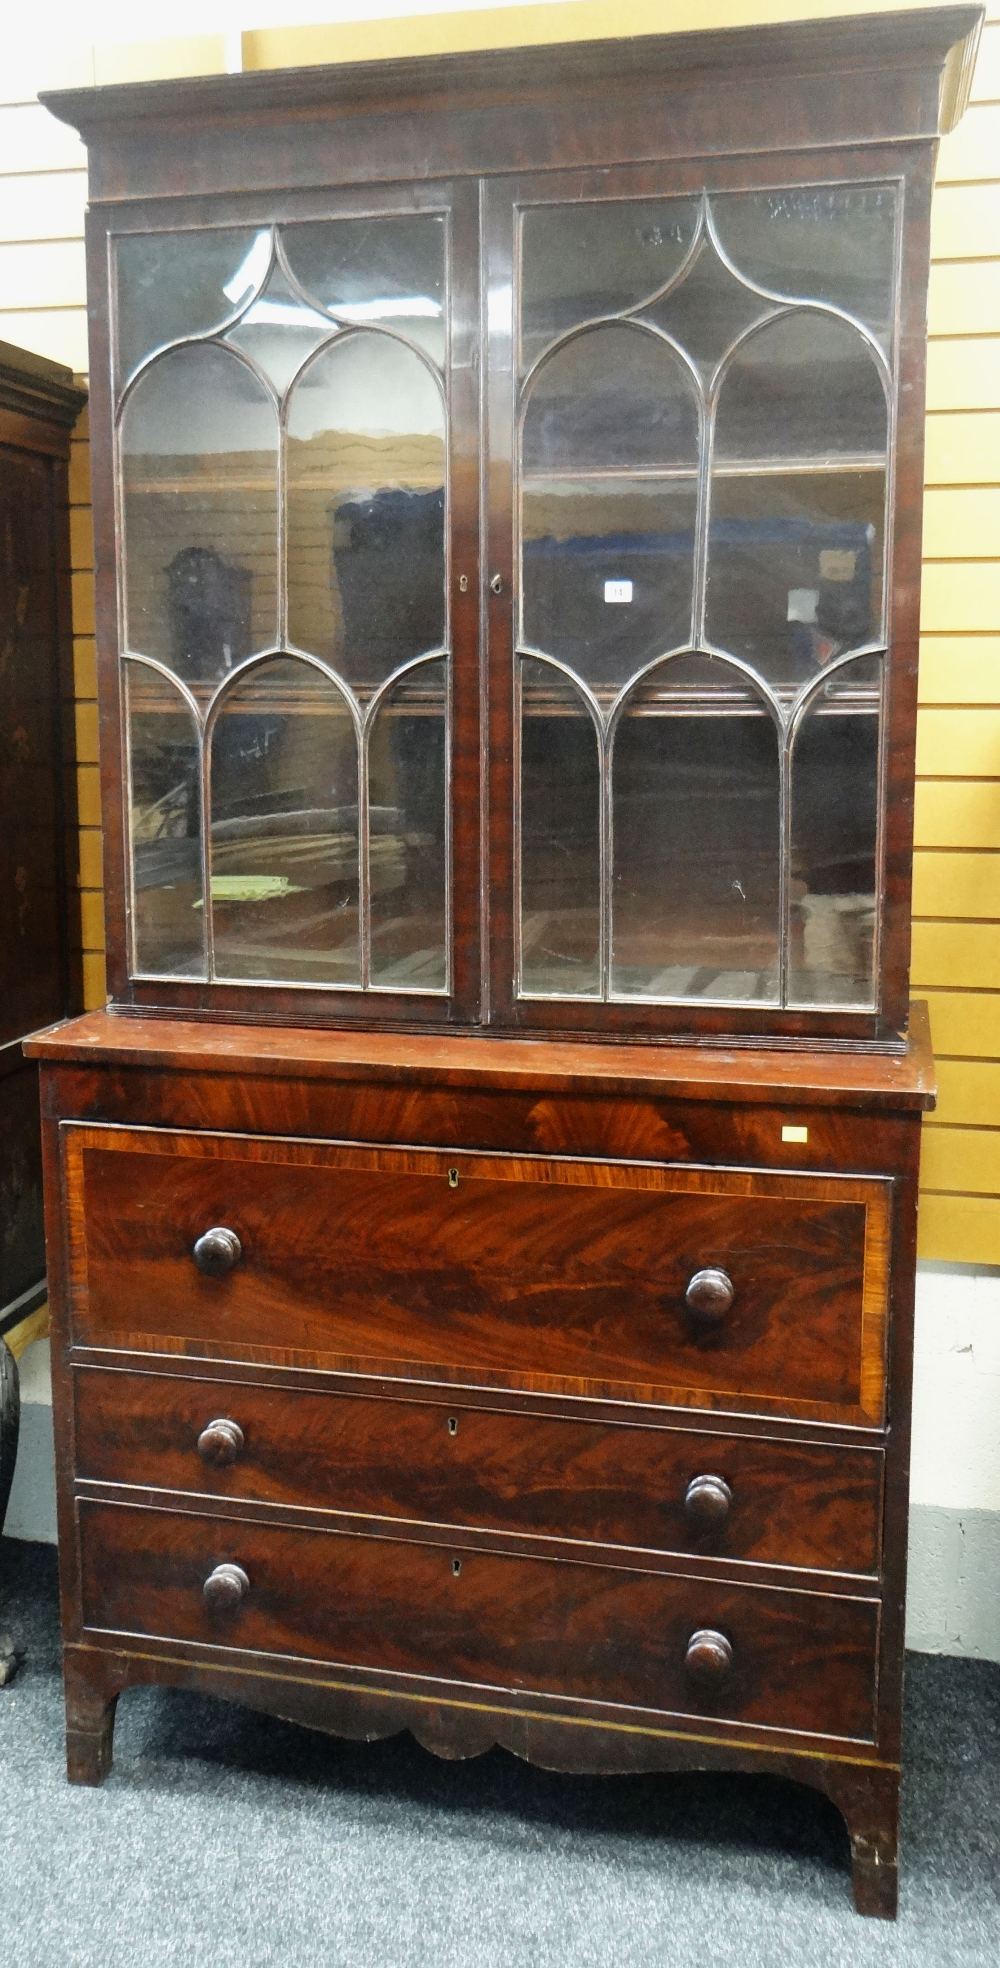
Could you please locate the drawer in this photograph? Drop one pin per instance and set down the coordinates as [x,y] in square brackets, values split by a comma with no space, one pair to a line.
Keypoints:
[542,1273]
[580,1631]
[682,1490]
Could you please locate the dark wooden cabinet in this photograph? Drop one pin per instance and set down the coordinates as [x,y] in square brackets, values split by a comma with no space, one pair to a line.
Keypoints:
[484,1218]
[39,403]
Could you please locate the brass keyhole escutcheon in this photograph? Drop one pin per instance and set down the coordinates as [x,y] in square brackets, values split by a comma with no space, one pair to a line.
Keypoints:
[452,1425]
[453,1178]
[456,1566]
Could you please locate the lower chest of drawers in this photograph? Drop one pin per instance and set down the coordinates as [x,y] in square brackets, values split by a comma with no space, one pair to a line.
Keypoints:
[453,1430]
[472,1541]
[541,1414]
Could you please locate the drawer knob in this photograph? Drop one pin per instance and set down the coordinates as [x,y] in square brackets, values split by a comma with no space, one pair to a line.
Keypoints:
[709,1296]
[220,1443]
[707,1502]
[709,1657]
[217,1251]
[225,1588]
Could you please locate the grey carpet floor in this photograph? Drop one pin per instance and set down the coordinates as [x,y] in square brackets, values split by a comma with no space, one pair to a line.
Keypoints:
[223,1838]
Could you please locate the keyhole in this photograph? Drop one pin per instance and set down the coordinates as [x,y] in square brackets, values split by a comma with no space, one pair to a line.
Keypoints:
[452,1425]
[453,1178]
[456,1566]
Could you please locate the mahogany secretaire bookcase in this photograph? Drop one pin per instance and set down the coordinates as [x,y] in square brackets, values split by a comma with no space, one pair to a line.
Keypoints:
[481,1227]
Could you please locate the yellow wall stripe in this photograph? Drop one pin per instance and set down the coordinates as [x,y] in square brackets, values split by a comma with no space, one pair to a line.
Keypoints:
[965,1024]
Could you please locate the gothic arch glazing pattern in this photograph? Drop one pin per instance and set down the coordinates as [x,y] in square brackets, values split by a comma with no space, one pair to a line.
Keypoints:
[282,441]
[704,435]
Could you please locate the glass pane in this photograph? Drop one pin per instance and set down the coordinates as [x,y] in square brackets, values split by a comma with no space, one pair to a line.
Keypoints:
[560,833]
[834,832]
[831,243]
[613,398]
[607,571]
[174,284]
[366,477]
[389,270]
[285,830]
[199,492]
[581,261]
[165,822]
[707,310]
[795,563]
[695,889]
[806,387]
[278,331]
[407,850]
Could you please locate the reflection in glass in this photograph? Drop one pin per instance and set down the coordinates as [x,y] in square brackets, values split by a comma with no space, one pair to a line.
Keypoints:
[199,499]
[581,261]
[607,567]
[278,331]
[833,242]
[795,565]
[834,838]
[165,827]
[612,398]
[695,829]
[366,477]
[560,834]
[388,270]
[284,829]
[175,284]
[787,579]
[407,852]
[804,386]
[707,310]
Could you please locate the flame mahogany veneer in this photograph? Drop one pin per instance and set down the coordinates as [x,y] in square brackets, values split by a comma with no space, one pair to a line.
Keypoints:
[509,1370]
[457,1456]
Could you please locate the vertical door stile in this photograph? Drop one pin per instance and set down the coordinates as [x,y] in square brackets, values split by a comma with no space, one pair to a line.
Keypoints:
[465,583]
[499,609]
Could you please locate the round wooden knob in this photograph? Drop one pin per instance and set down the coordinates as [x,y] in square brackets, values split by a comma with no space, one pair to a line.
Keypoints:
[707,1502]
[225,1588]
[709,1657]
[217,1251]
[220,1443]
[709,1296]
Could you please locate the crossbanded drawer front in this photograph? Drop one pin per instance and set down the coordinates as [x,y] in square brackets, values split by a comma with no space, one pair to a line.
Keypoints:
[800,1504]
[636,1640]
[707,1287]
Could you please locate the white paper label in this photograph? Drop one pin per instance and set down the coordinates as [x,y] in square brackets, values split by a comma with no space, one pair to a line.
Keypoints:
[617,590]
[837,564]
[802,604]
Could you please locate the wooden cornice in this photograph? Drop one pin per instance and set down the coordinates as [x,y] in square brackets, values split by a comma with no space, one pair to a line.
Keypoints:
[944,39]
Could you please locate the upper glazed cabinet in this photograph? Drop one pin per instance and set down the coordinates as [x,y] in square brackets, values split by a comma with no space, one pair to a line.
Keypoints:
[510,586]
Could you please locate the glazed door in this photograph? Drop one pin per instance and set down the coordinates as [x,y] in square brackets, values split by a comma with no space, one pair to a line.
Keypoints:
[693,396]
[294,413]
